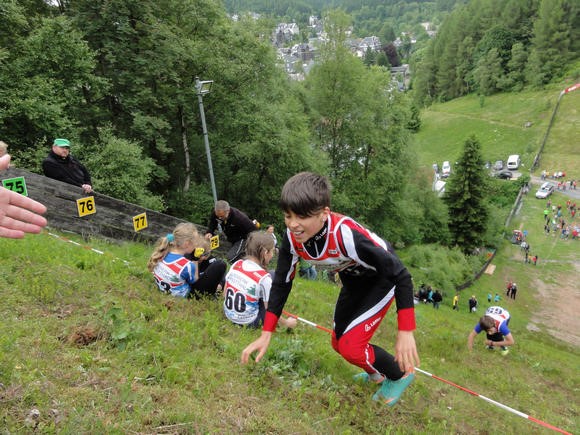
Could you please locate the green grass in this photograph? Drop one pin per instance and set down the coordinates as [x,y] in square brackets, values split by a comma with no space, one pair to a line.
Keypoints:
[88,341]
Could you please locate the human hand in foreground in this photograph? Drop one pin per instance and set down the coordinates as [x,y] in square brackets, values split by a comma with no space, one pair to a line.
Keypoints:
[406,351]
[87,188]
[19,215]
[260,345]
[5,161]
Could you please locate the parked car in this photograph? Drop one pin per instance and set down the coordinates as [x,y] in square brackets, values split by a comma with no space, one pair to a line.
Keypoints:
[513,162]
[498,166]
[446,169]
[504,174]
[545,190]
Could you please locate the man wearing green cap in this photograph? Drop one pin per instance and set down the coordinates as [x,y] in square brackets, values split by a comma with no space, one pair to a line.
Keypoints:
[60,165]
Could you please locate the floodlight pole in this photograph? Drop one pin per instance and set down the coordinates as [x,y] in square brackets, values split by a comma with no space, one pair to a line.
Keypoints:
[202,88]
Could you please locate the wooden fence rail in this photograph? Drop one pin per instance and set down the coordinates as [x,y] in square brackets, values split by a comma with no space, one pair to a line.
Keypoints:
[113,218]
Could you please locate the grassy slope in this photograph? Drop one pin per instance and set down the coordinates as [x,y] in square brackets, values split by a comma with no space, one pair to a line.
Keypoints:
[158,365]
[499,126]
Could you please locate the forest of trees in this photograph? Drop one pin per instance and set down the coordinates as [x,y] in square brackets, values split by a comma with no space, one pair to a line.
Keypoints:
[117,78]
[490,46]
[383,18]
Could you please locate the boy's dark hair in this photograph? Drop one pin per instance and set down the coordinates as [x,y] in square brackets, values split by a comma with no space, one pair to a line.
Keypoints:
[305,194]
[486,323]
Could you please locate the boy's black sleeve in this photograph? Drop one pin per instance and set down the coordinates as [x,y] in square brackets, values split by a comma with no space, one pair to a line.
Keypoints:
[282,282]
[390,272]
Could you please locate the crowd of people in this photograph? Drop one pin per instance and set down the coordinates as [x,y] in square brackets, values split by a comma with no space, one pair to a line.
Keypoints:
[560,222]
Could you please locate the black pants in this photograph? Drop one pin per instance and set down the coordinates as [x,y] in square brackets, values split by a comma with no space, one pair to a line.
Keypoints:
[209,279]
[237,251]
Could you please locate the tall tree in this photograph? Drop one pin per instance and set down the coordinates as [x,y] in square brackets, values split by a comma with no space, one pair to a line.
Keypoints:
[466,199]
[47,85]
[361,122]
[489,73]
[556,40]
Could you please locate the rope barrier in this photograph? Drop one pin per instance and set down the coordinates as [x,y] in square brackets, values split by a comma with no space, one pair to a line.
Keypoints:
[487,399]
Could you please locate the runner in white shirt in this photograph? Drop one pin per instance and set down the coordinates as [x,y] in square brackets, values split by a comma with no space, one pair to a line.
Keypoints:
[495,324]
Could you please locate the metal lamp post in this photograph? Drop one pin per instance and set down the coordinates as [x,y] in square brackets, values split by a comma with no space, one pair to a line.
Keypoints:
[203,87]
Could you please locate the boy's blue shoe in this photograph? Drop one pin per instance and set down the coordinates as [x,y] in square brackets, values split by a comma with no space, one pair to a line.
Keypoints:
[362,378]
[390,391]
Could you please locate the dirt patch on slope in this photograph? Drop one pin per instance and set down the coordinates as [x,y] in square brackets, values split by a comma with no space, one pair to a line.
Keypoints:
[559,308]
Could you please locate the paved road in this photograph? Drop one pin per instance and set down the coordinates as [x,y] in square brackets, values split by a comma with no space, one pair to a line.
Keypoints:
[568,192]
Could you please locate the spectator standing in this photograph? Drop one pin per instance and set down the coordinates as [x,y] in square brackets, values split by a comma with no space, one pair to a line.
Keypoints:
[497,298]
[456,301]
[429,295]
[472,304]
[236,226]
[270,230]
[62,166]
[514,291]
[437,299]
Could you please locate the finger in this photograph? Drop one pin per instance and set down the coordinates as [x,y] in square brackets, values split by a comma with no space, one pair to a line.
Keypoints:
[27,203]
[246,355]
[9,223]
[260,355]
[16,213]
[11,234]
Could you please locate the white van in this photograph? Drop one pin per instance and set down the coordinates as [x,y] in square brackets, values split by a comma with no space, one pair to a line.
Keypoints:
[513,162]
[446,169]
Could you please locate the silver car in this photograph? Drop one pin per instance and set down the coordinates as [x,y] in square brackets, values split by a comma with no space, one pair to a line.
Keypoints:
[545,190]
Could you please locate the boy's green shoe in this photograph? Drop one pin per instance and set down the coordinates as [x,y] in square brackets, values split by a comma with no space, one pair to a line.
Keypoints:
[391,391]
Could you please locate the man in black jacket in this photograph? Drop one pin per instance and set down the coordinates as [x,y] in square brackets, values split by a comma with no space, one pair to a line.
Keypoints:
[60,165]
[235,224]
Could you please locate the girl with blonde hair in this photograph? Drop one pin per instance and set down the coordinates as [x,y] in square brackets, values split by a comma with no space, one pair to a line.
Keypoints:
[248,284]
[174,274]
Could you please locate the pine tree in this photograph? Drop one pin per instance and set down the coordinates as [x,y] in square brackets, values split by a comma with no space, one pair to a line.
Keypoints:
[466,199]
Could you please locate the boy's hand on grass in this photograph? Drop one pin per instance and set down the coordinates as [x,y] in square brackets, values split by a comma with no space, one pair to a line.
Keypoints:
[260,345]
[406,351]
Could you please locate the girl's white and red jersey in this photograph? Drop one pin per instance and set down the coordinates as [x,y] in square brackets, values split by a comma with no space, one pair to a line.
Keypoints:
[246,284]
[174,274]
